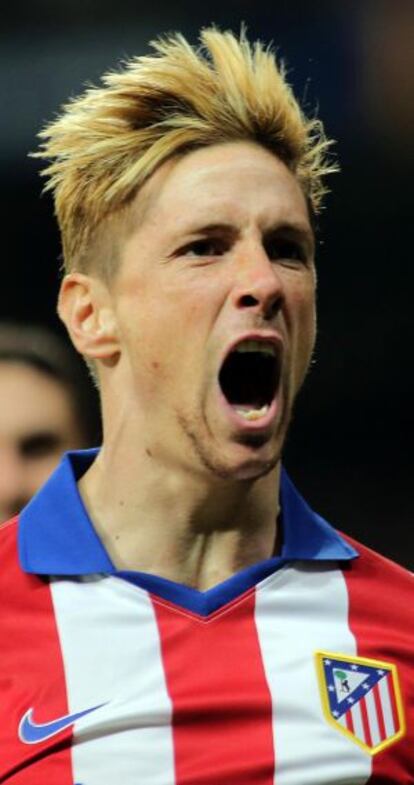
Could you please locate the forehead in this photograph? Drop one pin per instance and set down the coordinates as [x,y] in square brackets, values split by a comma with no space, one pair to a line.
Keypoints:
[235,181]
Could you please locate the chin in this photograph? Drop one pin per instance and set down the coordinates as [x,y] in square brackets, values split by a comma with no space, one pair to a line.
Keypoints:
[245,462]
[252,472]
[247,456]
[255,466]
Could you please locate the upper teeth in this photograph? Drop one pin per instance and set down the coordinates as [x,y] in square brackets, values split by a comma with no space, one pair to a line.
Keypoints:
[256,346]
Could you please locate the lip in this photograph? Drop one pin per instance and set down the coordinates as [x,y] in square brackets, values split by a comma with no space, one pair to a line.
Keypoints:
[250,426]
[265,422]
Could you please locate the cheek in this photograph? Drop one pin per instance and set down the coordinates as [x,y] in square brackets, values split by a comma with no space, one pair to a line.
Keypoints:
[153,345]
[164,322]
[310,321]
[303,305]
[40,470]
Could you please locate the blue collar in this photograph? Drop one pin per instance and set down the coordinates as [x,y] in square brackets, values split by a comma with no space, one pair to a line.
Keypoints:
[56,536]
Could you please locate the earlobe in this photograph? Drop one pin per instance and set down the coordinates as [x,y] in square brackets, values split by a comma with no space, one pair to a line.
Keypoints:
[84,307]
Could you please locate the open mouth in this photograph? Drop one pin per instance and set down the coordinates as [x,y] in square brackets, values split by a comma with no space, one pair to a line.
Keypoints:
[249,378]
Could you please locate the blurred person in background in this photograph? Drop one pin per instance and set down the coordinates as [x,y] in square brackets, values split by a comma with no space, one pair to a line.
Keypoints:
[46,407]
[195,622]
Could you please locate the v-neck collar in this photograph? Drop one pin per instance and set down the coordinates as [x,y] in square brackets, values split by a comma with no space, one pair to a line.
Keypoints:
[56,537]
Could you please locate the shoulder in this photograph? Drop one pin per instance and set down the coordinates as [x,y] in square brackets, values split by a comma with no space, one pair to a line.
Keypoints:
[8,536]
[380,587]
[373,563]
[11,573]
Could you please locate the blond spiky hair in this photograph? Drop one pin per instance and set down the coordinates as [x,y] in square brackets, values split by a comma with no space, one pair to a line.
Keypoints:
[107,142]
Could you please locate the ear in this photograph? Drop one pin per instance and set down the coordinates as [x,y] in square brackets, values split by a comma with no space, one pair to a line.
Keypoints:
[84,305]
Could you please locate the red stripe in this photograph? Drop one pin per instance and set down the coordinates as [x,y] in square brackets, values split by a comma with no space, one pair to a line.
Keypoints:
[349,722]
[365,722]
[393,703]
[381,619]
[380,715]
[222,711]
[32,674]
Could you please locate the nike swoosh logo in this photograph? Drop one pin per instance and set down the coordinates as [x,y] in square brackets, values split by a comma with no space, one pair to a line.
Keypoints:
[31,732]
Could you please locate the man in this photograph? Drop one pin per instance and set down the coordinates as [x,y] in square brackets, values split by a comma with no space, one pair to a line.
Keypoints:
[179,615]
[46,407]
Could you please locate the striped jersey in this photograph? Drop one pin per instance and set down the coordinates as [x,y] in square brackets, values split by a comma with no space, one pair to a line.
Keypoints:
[295,671]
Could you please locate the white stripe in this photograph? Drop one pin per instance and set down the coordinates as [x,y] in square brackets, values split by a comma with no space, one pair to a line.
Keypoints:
[111,655]
[299,610]
[358,724]
[372,718]
[386,707]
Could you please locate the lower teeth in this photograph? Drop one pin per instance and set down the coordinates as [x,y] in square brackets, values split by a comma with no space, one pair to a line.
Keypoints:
[253,414]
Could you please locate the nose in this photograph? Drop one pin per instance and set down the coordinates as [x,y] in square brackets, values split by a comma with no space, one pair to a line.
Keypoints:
[259,285]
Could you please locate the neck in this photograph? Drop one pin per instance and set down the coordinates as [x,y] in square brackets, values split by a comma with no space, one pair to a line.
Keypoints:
[155,519]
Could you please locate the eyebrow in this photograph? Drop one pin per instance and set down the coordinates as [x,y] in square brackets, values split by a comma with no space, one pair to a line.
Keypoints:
[211,228]
[294,231]
[289,230]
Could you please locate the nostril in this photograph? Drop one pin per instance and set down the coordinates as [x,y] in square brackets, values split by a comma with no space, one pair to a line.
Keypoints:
[275,306]
[271,307]
[247,300]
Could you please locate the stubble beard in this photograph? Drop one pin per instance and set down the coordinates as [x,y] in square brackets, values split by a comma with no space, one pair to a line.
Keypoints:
[210,459]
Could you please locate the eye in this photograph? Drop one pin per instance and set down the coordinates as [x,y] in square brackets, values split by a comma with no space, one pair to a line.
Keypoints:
[282,249]
[39,445]
[209,246]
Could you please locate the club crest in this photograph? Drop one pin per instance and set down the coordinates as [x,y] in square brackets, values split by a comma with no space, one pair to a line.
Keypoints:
[361,698]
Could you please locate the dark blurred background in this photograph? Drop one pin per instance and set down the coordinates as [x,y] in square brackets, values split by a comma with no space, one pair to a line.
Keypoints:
[349,447]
